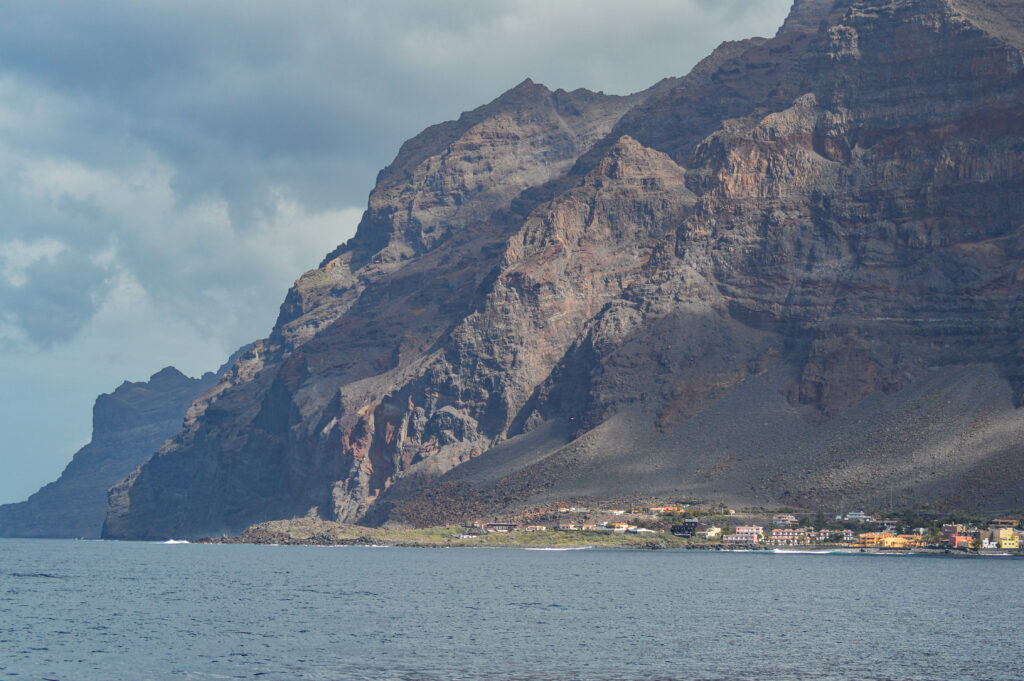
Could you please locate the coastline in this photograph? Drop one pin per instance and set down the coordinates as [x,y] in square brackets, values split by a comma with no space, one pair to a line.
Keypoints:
[316,532]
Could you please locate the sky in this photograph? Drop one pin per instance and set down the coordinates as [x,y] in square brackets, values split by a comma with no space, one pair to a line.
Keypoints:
[168,169]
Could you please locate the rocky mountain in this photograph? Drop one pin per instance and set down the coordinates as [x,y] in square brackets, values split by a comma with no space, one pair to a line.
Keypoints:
[792,276]
[128,425]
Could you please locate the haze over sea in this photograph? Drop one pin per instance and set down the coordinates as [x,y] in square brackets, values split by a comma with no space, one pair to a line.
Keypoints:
[79,611]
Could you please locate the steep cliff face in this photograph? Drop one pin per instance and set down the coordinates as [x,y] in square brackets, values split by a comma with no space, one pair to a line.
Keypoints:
[879,212]
[760,282]
[353,385]
[128,425]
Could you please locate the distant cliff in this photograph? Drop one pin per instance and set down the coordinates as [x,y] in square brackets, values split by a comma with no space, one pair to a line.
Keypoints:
[128,425]
[792,276]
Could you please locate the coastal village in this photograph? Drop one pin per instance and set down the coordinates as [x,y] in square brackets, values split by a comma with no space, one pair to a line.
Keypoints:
[695,525]
[726,529]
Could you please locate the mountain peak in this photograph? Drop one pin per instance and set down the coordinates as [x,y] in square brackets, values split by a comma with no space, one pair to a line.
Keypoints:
[168,373]
[807,15]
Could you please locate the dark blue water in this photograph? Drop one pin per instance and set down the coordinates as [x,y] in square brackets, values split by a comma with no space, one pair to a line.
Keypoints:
[78,611]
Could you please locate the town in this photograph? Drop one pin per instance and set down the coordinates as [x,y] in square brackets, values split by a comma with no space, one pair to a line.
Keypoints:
[724,528]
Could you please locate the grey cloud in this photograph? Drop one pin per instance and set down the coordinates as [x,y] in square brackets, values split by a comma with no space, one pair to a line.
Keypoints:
[240,101]
[59,296]
[210,85]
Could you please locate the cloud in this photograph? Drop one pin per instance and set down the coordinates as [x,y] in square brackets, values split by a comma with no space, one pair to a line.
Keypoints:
[58,296]
[318,96]
[17,256]
[188,255]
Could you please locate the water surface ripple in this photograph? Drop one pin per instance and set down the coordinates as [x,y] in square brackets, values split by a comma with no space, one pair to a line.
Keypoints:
[84,611]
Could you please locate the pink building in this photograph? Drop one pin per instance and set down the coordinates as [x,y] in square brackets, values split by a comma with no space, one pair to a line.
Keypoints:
[745,534]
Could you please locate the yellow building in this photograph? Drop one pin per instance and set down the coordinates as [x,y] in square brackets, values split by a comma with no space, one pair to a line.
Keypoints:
[1006,538]
[878,539]
[912,540]
[888,540]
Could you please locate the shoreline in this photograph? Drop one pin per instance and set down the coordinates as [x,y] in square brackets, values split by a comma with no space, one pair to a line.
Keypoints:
[314,531]
[377,538]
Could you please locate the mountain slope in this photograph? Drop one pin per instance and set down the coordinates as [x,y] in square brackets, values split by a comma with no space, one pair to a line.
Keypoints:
[766,282]
[129,424]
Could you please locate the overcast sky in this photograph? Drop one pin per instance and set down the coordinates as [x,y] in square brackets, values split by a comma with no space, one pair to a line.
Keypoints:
[167,169]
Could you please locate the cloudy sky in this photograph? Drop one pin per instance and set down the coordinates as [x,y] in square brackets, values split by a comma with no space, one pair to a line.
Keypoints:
[167,169]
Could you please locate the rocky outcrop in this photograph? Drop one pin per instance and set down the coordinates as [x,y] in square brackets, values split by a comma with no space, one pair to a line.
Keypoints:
[728,286]
[128,425]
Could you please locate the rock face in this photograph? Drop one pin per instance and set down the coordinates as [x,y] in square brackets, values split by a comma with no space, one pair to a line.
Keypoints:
[792,276]
[128,425]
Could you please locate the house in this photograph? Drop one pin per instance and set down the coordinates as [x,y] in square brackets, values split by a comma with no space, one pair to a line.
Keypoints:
[1005,538]
[784,519]
[710,533]
[689,528]
[910,540]
[888,540]
[1004,522]
[501,527]
[755,532]
[877,539]
[833,535]
[949,531]
[536,528]
[859,517]
[567,526]
[745,534]
[789,536]
[900,541]
[961,541]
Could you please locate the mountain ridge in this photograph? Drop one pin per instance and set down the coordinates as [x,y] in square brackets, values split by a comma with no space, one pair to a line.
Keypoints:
[129,424]
[803,227]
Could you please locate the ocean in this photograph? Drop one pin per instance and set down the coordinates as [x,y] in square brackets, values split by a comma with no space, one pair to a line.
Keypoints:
[95,610]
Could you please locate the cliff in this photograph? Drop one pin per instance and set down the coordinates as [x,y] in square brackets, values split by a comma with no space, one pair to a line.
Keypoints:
[128,425]
[791,276]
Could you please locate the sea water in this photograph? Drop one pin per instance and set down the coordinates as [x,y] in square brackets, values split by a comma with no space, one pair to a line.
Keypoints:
[82,611]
